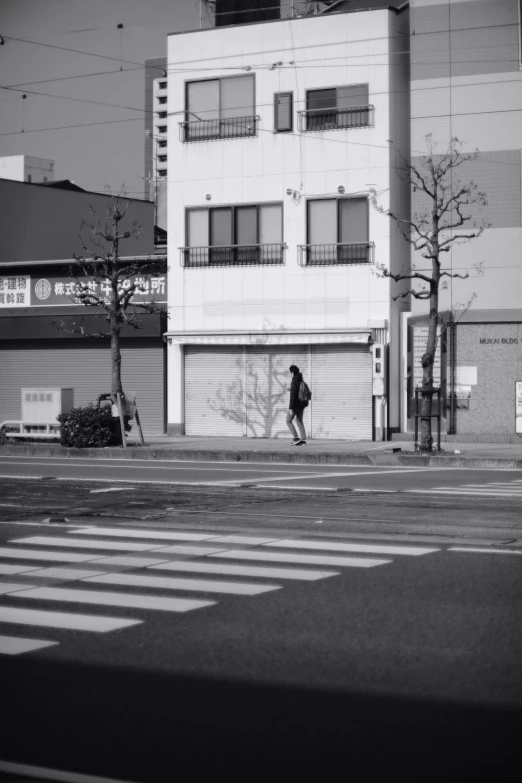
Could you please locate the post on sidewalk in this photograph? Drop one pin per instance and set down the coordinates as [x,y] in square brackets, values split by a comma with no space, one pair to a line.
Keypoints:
[138,422]
[122,421]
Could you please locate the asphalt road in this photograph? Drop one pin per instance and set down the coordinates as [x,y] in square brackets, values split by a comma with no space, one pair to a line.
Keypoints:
[321,477]
[398,657]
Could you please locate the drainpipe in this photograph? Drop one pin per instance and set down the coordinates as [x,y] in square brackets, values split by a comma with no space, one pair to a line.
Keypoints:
[452,429]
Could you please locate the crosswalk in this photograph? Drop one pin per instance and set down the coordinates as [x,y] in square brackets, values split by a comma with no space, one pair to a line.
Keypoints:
[495,489]
[164,571]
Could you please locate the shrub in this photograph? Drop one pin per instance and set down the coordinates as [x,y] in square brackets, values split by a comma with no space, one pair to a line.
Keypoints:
[4,440]
[87,427]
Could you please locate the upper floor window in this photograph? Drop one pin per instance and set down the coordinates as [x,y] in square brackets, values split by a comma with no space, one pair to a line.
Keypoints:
[162,85]
[162,128]
[336,107]
[337,232]
[219,109]
[245,235]
[162,115]
[162,158]
[283,109]
[162,172]
[162,99]
[162,142]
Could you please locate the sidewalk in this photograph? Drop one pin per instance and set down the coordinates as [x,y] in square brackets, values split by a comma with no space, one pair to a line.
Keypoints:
[327,452]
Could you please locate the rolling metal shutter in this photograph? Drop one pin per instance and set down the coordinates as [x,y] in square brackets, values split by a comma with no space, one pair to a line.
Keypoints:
[214,398]
[85,367]
[341,386]
[268,388]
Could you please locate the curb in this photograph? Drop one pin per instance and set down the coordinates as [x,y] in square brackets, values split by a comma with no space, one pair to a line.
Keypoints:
[301,457]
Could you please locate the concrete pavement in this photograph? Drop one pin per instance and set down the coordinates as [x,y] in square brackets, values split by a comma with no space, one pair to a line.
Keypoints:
[328,452]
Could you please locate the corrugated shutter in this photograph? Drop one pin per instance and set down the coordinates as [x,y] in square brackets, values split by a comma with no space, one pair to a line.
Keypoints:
[214,400]
[341,392]
[84,366]
[268,388]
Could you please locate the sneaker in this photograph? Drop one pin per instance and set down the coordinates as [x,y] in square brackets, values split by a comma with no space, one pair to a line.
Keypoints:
[295,441]
[301,443]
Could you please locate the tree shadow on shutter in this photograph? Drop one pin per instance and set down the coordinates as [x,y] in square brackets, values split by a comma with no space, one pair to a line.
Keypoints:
[266,400]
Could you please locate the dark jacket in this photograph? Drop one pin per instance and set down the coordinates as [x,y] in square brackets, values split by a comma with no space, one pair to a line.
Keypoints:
[295,402]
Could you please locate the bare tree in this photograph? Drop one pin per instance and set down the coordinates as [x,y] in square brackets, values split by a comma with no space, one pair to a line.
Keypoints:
[101,267]
[444,220]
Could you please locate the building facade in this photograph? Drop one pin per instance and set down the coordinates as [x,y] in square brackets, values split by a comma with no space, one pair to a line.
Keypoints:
[41,321]
[25,168]
[466,81]
[288,126]
[156,152]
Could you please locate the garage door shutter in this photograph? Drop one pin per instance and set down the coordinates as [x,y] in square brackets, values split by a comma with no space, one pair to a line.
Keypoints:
[342,392]
[85,367]
[214,400]
[268,388]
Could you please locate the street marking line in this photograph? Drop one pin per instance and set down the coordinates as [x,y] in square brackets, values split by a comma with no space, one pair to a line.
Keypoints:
[238,570]
[337,474]
[375,549]
[111,489]
[7,568]
[15,645]
[296,486]
[135,562]
[78,543]
[58,775]
[485,551]
[65,573]
[252,540]
[286,557]
[172,583]
[35,554]
[12,587]
[118,532]
[74,622]
[133,601]
[194,551]
[465,492]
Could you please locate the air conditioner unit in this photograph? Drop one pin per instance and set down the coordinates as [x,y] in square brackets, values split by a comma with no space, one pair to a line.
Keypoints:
[45,404]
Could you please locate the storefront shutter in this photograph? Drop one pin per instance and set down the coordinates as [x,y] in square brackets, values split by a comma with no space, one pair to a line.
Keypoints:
[214,402]
[268,388]
[341,392]
[85,367]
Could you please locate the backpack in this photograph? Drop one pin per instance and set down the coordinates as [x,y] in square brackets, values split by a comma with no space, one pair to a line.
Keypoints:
[305,395]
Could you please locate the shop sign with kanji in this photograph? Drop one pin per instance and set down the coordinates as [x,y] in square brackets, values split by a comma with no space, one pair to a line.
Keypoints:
[15,291]
[63,291]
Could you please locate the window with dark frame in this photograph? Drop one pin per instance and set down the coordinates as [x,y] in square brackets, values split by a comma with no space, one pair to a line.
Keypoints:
[242,235]
[337,231]
[337,107]
[283,111]
[162,85]
[162,99]
[220,108]
[162,115]
[162,143]
[162,128]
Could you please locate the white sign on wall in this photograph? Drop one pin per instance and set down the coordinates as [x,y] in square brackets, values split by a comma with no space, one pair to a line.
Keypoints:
[466,376]
[518,407]
[15,291]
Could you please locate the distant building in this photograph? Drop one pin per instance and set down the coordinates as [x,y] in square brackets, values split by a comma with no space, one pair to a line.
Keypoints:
[271,234]
[156,151]
[39,225]
[466,81]
[25,168]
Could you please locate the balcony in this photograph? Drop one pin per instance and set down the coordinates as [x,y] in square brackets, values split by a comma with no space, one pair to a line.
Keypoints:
[232,255]
[335,119]
[210,130]
[342,253]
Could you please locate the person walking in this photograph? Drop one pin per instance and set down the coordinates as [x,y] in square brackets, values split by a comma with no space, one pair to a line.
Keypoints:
[296,408]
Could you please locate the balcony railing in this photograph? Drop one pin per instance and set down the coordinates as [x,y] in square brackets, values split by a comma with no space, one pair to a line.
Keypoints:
[344,253]
[335,119]
[232,255]
[228,128]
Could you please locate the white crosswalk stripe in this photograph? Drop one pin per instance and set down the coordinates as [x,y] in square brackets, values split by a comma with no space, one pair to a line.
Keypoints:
[508,489]
[131,559]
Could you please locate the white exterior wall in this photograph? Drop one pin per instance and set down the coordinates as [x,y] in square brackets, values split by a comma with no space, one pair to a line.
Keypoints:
[329,51]
[18,167]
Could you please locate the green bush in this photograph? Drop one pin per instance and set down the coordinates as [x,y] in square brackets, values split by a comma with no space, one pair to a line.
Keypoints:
[88,427]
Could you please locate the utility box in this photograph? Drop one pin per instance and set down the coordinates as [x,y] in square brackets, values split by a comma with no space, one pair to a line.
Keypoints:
[44,405]
[379,369]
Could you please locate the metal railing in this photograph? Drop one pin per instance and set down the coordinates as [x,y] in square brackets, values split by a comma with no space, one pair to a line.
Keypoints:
[232,255]
[228,128]
[335,119]
[341,253]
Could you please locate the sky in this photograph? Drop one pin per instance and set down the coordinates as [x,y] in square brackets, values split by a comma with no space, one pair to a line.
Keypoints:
[108,153]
